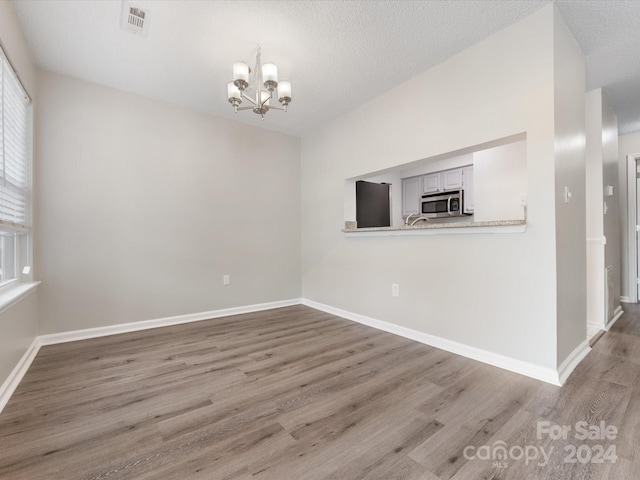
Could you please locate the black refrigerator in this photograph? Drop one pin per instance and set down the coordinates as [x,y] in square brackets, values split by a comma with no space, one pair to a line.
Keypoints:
[373,207]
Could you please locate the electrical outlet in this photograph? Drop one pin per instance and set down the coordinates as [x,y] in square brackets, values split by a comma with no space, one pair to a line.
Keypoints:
[395,290]
[226,279]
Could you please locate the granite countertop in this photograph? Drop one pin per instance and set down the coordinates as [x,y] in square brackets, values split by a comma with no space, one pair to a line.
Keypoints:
[350,226]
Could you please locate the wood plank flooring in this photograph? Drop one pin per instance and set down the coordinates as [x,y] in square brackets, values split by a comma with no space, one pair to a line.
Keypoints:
[298,394]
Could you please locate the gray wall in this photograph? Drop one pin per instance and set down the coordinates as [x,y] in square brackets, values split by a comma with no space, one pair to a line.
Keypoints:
[627,145]
[595,210]
[18,324]
[612,219]
[145,205]
[18,330]
[496,292]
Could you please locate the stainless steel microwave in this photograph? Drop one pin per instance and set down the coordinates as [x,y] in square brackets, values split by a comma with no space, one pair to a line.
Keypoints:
[442,204]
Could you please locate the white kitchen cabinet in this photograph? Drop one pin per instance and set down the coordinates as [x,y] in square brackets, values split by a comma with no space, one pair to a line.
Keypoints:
[442,181]
[414,187]
[467,186]
[411,195]
[451,179]
[431,183]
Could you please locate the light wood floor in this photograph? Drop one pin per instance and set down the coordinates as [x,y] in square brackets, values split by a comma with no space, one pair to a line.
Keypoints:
[298,394]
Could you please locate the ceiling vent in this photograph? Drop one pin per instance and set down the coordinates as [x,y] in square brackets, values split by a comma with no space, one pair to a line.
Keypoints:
[135,19]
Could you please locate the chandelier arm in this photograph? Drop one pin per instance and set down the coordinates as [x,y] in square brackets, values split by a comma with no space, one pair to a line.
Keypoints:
[273,107]
[245,96]
[270,97]
[244,108]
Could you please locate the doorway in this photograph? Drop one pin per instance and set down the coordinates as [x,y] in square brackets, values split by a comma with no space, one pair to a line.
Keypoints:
[635,225]
[633,212]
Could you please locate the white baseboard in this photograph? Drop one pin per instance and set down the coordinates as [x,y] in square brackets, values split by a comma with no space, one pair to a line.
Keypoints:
[627,300]
[616,315]
[518,366]
[548,375]
[87,333]
[15,377]
[572,361]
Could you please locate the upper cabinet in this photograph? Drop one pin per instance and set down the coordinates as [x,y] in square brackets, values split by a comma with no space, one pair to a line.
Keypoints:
[452,179]
[442,181]
[411,194]
[431,183]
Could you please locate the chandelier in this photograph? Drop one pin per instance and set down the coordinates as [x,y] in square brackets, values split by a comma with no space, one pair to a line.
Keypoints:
[264,83]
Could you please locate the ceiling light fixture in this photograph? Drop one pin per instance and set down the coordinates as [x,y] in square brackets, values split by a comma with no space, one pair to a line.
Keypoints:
[264,82]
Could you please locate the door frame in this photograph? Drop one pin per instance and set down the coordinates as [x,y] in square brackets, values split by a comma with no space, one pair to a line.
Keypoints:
[632,221]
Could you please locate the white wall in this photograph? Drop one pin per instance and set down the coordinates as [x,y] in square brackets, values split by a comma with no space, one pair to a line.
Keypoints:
[438,165]
[494,292]
[18,324]
[571,233]
[627,145]
[144,206]
[500,177]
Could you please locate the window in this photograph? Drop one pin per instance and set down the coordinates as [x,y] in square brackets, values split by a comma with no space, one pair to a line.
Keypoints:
[15,160]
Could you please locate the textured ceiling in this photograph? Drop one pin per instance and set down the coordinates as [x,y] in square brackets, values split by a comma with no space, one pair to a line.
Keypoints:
[337,54]
[608,34]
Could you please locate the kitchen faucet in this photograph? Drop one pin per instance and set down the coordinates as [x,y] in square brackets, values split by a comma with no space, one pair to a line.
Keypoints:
[406,220]
[420,217]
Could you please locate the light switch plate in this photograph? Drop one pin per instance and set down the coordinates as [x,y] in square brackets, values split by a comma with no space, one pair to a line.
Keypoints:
[522,200]
[567,195]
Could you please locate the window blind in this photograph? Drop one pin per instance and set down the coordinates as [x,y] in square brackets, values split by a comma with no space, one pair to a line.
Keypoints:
[14,149]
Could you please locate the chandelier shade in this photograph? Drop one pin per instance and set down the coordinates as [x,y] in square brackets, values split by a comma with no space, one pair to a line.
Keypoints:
[258,89]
